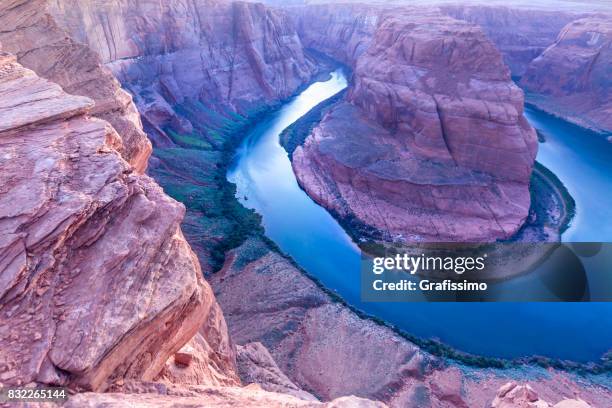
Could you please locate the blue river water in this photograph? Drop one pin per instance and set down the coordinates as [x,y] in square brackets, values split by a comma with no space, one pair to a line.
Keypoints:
[313,238]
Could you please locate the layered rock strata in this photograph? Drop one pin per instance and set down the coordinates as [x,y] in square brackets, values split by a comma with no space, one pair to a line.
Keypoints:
[431,143]
[208,358]
[97,281]
[210,56]
[573,77]
[520,34]
[256,366]
[341,31]
[41,44]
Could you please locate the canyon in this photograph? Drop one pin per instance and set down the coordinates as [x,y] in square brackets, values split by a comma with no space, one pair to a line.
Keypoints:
[208,56]
[102,292]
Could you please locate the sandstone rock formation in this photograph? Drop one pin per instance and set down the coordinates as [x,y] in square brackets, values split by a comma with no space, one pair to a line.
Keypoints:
[208,358]
[342,31]
[431,143]
[572,78]
[34,36]
[512,395]
[520,34]
[256,366]
[97,281]
[204,55]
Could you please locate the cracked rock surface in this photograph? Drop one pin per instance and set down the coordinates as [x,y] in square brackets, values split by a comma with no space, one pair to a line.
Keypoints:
[97,281]
[431,143]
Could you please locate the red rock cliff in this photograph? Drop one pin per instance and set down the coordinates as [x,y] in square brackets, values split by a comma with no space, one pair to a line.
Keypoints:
[573,78]
[342,31]
[97,281]
[431,143]
[41,44]
[224,55]
[519,34]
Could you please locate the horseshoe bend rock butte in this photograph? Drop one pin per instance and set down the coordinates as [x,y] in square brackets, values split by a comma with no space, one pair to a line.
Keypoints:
[431,143]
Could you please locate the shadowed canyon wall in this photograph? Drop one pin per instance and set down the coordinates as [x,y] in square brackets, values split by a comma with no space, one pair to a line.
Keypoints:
[199,55]
[342,31]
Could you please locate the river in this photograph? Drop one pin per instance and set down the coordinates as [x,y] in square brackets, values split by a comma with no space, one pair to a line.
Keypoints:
[302,229]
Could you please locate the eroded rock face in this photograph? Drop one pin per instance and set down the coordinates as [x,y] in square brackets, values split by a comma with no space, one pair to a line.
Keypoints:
[209,358]
[572,78]
[519,34]
[256,366]
[41,44]
[97,282]
[513,395]
[321,346]
[218,55]
[342,31]
[431,143]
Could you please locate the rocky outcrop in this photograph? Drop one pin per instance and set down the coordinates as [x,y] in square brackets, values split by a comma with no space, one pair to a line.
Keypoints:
[208,358]
[39,43]
[97,281]
[256,366]
[431,143]
[209,55]
[572,79]
[513,395]
[520,34]
[314,341]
